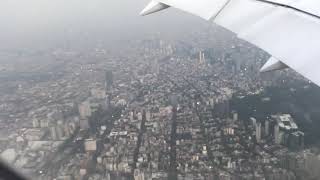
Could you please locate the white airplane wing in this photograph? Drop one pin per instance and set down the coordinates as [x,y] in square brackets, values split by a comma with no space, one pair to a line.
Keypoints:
[289,30]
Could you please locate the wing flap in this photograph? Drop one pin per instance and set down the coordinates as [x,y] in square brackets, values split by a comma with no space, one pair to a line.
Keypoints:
[239,15]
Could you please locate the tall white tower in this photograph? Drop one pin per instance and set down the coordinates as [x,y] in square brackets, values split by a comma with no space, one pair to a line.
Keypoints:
[258,132]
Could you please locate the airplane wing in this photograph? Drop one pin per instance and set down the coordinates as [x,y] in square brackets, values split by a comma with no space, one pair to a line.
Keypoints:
[289,30]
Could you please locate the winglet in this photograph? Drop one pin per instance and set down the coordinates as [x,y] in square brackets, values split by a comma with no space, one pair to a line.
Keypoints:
[273,64]
[153,7]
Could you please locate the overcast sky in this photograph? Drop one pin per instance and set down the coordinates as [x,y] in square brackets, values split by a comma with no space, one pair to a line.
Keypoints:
[32,22]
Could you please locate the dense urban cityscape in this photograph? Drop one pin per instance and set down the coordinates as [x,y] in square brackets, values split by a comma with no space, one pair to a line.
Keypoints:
[154,109]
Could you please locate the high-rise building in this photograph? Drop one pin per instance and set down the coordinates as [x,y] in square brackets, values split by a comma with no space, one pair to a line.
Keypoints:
[138,175]
[53,133]
[131,115]
[35,123]
[44,123]
[109,80]
[139,115]
[60,130]
[284,129]
[277,138]
[253,121]
[296,140]
[266,127]
[204,150]
[258,132]
[201,58]
[85,109]
[235,116]
[107,104]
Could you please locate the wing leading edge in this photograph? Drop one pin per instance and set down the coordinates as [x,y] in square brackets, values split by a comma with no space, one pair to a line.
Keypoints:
[289,30]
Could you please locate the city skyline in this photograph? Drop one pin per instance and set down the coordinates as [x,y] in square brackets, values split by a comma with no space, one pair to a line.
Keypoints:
[90,93]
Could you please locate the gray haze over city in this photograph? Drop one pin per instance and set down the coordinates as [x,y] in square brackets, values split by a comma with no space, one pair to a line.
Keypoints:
[38,23]
[90,90]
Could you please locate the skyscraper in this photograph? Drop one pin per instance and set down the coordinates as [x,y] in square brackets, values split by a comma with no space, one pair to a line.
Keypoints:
[35,123]
[285,125]
[85,109]
[277,137]
[235,116]
[266,127]
[258,132]
[201,58]
[109,80]
[254,121]
[53,132]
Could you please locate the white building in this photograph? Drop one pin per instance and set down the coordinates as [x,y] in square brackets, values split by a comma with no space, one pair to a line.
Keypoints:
[284,124]
[85,109]
[258,132]
[90,145]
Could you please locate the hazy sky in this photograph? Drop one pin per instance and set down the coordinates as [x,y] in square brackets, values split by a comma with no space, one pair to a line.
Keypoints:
[45,22]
